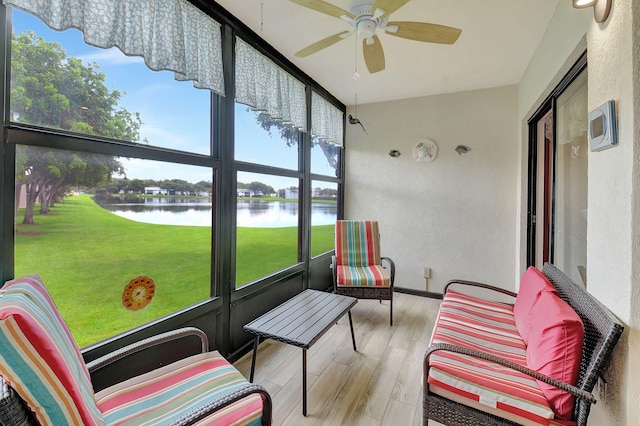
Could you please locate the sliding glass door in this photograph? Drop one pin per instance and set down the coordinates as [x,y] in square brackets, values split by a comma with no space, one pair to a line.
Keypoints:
[558,178]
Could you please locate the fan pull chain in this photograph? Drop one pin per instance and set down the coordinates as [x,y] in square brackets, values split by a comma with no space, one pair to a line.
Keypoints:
[261,17]
[356,74]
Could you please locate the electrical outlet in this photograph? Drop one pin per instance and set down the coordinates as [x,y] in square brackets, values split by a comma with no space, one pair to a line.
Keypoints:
[426,272]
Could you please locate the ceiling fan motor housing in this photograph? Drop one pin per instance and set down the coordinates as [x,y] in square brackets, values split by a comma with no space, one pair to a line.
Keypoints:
[365,21]
[361,7]
[366,28]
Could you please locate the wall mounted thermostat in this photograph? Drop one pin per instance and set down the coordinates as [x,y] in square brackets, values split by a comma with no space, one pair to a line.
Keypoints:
[602,127]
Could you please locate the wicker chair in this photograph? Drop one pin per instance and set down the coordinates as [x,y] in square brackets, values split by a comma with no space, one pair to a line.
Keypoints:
[51,383]
[601,333]
[358,269]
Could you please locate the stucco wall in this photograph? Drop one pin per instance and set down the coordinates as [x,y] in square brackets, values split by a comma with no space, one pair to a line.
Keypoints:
[612,234]
[633,385]
[456,214]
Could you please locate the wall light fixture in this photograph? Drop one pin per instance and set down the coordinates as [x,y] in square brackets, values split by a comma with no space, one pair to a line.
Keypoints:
[601,8]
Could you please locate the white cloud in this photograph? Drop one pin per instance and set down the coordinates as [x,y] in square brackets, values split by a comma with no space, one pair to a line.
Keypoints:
[111,56]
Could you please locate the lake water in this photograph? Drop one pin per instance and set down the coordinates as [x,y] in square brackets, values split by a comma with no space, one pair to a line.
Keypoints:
[197,212]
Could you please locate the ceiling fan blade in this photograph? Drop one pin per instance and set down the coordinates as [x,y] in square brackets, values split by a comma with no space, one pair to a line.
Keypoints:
[373,54]
[422,31]
[324,7]
[325,42]
[389,6]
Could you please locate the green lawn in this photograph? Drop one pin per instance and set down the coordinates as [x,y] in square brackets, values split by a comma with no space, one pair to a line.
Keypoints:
[86,255]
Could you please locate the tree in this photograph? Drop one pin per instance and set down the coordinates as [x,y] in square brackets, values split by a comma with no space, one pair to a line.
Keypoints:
[203,187]
[137,186]
[49,174]
[287,132]
[49,89]
[290,135]
[329,150]
[177,185]
[52,90]
[259,187]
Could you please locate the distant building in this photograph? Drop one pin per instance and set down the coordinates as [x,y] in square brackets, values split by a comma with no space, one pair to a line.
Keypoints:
[154,190]
[245,193]
[291,193]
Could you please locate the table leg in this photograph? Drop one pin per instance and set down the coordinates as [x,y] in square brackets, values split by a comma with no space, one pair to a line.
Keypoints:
[253,360]
[353,336]
[304,382]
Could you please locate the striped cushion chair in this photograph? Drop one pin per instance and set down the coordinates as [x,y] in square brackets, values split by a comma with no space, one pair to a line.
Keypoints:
[40,360]
[358,269]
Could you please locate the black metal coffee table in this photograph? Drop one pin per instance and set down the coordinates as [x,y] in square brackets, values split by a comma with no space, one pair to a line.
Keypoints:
[301,321]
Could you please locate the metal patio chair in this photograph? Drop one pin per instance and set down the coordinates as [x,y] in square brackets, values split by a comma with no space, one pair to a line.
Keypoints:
[358,269]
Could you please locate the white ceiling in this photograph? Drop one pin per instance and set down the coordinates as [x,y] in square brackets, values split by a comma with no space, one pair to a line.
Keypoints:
[497,41]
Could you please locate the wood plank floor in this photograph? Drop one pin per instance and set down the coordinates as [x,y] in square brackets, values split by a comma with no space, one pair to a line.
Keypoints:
[380,384]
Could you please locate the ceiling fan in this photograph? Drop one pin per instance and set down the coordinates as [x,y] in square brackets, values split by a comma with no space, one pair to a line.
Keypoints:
[364,17]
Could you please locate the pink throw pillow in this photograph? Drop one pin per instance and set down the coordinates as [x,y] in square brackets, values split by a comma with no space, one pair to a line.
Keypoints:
[532,284]
[555,349]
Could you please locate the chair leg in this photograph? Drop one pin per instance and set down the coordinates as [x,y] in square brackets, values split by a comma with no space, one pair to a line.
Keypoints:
[391,311]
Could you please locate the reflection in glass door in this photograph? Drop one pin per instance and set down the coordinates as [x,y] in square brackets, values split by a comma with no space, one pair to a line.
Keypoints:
[558,172]
[570,212]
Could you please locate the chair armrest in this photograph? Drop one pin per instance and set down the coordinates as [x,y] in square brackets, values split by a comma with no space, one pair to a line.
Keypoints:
[392,268]
[573,390]
[226,400]
[480,285]
[148,343]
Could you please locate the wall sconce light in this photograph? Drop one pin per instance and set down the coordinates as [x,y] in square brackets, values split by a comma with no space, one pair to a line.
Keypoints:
[462,149]
[601,8]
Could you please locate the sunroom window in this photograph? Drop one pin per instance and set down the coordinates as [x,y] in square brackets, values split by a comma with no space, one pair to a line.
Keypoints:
[60,82]
[90,223]
[89,232]
[267,225]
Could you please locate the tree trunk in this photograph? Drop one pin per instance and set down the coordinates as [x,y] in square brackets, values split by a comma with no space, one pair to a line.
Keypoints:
[33,191]
[44,200]
[49,195]
[18,197]
[32,195]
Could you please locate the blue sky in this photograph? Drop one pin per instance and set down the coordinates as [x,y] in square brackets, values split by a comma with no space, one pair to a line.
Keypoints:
[174,114]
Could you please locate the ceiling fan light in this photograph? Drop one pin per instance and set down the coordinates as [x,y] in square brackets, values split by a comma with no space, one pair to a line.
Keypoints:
[366,28]
[580,4]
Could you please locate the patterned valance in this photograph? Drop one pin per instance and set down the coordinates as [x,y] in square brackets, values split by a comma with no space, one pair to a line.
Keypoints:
[264,86]
[327,121]
[170,35]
